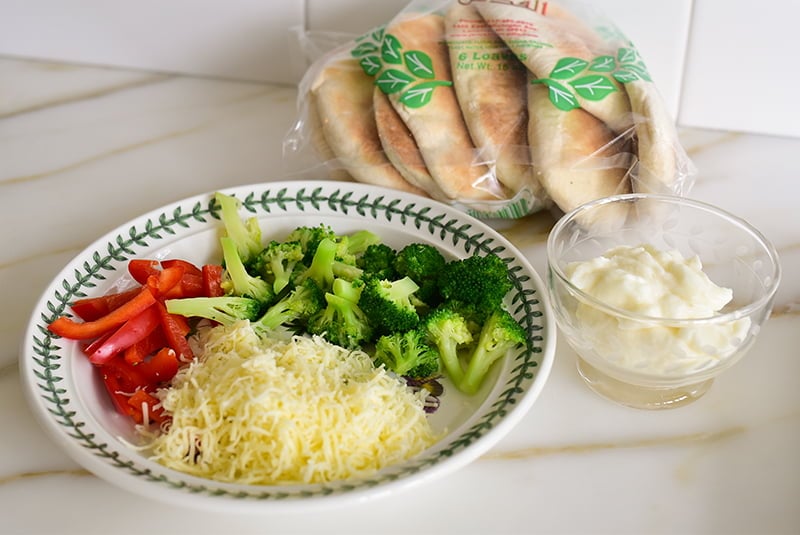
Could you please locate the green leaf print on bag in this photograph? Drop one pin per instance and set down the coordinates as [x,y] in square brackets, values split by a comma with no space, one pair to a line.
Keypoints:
[624,77]
[371,64]
[390,50]
[409,73]
[421,93]
[560,95]
[393,80]
[593,87]
[567,68]
[368,51]
[628,55]
[640,70]
[603,64]
[631,63]
[364,49]
[419,63]
[593,80]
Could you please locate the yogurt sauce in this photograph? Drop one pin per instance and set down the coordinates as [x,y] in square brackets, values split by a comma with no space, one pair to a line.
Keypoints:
[646,281]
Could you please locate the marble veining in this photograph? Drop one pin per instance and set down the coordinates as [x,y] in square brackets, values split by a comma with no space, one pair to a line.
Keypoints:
[81,96]
[85,149]
[572,449]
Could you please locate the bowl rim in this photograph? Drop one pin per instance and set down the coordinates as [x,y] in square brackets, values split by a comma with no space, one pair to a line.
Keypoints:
[334,199]
[553,266]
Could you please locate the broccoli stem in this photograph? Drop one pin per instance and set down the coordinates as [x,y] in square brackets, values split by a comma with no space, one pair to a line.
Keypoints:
[499,334]
[244,284]
[401,289]
[448,351]
[224,309]
[347,289]
[246,234]
[276,315]
[477,369]
[346,271]
[321,268]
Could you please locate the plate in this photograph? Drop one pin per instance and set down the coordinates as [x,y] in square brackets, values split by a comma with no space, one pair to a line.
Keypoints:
[71,404]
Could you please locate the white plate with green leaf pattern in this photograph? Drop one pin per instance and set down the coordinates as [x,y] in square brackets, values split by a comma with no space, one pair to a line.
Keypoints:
[71,404]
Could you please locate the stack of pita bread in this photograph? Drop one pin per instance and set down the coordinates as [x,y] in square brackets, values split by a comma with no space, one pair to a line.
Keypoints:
[493,104]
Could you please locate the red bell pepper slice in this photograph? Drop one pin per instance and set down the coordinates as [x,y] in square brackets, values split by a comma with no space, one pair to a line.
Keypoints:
[164,281]
[189,286]
[124,381]
[69,328]
[212,280]
[175,329]
[115,390]
[93,308]
[90,347]
[140,269]
[142,349]
[188,267]
[132,331]
[136,407]
[159,368]
[121,381]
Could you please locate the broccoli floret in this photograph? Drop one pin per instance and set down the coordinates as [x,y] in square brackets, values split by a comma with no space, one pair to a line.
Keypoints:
[279,260]
[320,268]
[449,331]
[325,266]
[352,246]
[345,270]
[309,239]
[473,314]
[239,282]
[350,290]
[357,242]
[378,261]
[245,233]
[342,322]
[422,262]
[299,305]
[388,304]
[226,309]
[481,281]
[407,354]
[499,334]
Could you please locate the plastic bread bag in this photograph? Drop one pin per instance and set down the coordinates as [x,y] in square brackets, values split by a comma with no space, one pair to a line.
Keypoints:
[501,108]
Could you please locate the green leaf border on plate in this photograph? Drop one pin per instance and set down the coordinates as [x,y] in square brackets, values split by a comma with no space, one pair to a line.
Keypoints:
[525,306]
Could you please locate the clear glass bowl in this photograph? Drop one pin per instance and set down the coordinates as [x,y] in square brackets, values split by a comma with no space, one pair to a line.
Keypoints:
[658,362]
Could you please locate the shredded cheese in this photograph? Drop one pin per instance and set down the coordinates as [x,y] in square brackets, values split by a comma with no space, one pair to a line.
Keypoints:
[286,411]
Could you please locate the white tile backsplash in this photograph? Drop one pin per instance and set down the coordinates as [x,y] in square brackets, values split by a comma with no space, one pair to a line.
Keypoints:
[351,16]
[741,72]
[720,64]
[659,30]
[242,39]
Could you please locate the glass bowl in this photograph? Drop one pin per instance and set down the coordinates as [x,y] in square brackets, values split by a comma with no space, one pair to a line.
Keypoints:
[642,331]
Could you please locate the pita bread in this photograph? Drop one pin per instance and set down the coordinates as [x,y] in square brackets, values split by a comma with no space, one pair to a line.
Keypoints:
[400,147]
[525,30]
[321,144]
[578,159]
[343,97]
[493,99]
[659,150]
[438,126]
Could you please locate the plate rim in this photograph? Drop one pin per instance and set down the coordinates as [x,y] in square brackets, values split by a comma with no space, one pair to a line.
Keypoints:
[363,199]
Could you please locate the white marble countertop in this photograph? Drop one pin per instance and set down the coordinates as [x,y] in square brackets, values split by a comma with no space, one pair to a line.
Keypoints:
[85,149]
